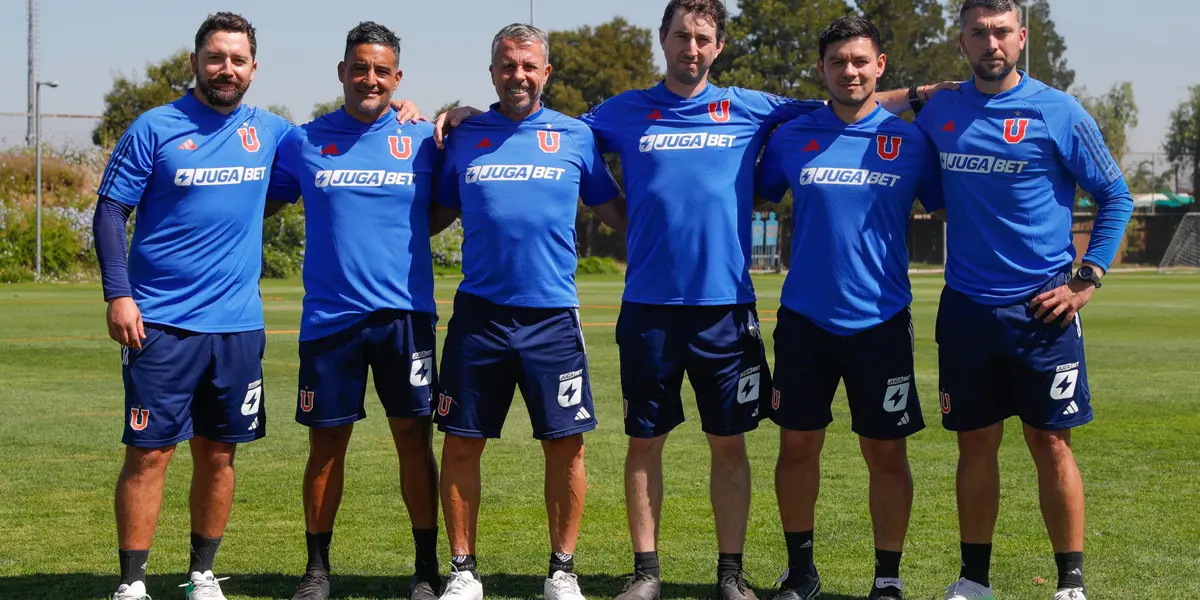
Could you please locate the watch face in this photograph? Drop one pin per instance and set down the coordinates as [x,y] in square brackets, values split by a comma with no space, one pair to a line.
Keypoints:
[1086,273]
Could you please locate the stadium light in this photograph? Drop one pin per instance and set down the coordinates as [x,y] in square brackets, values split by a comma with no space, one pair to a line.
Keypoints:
[37,134]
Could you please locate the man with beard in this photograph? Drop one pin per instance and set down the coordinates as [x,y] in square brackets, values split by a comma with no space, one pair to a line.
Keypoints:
[186,307]
[516,173]
[1010,338]
[368,302]
[853,169]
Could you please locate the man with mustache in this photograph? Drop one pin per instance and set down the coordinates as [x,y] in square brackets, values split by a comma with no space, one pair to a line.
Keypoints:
[367,184]
[186,307]
[853,169]
[516,174]
[1009,331]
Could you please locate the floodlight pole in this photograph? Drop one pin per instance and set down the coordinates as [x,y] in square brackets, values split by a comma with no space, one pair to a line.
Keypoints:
[531,11]
[37,134]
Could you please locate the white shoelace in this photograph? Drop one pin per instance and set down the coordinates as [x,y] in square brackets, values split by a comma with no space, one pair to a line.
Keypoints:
[567,584]
[456,585]
[207,589]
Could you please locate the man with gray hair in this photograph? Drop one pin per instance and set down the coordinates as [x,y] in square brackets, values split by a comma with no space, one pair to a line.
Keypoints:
[516,173]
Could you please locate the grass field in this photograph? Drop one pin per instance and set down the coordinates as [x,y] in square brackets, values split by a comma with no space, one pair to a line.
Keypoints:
[61,418]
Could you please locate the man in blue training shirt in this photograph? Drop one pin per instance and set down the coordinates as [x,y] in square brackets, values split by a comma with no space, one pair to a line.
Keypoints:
[1010,339]
[516,173]
[853,169]
[367,183]
[186,308]
[687,152]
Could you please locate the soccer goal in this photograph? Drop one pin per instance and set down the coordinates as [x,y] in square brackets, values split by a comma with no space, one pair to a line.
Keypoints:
[1184,251]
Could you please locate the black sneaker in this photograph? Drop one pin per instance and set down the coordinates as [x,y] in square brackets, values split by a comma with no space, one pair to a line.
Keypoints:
[798,587]
[641,587]
[734,587]
[313,586]
[887,589]
[423,590]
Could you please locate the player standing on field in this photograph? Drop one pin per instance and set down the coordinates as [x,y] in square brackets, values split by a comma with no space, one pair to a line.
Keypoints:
[186,307]
[516,174]
[853,169]
[1010,337]
[367,183]
[687,152]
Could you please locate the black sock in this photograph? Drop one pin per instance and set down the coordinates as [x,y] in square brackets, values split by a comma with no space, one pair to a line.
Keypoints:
[728,565]
[318,551]
[976,562]
[887,564]
[1070,569]
[133,565]
[647,563]
[426,562]
[204,552]
[800,555]
[561,562]
[465,562]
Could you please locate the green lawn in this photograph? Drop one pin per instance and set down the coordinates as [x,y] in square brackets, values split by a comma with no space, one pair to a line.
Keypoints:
[61,418]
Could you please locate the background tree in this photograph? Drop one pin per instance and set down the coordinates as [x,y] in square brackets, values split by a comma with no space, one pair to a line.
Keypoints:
[165,81]
[282,111]
[1115,113]
[592,64]
[323,108]
[919,47]
[771,46]
[1183,137]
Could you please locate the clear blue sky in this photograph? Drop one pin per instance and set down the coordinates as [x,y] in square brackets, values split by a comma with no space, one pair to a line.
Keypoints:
[446,44]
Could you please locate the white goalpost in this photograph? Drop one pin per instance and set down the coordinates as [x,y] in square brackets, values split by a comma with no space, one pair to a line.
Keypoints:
[1184,251]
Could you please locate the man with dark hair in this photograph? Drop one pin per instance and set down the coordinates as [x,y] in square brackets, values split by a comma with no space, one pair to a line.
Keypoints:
[186,307]
[367,184]
[1009,331]
[688,151]
[516,174]
[853,169]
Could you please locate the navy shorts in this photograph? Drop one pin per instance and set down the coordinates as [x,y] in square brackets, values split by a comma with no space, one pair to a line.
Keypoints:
[398,347]
[182,383]
[876,364]
[491,349]
[998,361]
[719,347]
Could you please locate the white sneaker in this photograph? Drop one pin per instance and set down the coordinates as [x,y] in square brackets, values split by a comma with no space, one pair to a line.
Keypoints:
[564,586]
[131,591]
[1070,594]
[203,586]
[462,585]
[965,589]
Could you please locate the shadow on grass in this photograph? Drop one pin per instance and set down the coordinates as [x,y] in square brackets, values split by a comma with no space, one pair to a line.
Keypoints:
[279,585]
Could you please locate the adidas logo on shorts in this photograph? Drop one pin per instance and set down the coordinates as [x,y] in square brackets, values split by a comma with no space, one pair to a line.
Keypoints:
[583,414]
[904,420]
[1072,408]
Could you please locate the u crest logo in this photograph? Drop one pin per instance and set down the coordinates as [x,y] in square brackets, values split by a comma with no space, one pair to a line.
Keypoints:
[719,111]
[139,418]
[1014,130]
[306,400]
[548,141]
[888,147]
[401,147]
[249,139]
[444,401]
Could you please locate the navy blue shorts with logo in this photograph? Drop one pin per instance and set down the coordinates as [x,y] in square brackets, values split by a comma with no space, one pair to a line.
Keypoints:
[491,349]
[876,364]
[397,345]
[998,361]
[719,347]
[182,383]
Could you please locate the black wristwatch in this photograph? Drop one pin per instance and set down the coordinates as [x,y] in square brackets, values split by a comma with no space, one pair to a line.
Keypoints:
[914,100]
[1087,273]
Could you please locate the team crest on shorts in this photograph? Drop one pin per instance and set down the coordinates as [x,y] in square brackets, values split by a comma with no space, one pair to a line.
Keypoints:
[945,400]
[139,418]
[775,398]
[444,401]
[306,399]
